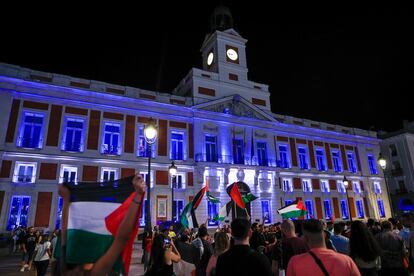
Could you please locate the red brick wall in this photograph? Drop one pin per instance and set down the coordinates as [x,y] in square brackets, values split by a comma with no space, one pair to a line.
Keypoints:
[190,180]
[190,141]
[297,183]
[312,154]
[14,113]
[129,134]
[44,204]
[316,184]
[207,91]
[161,177]
[318,205]
[35,105]
[114,116]
[54,126]
[332,184]
[93,133]
[48,171]
[5,168]
[293,152]
[336,208]
[344,159]
[328,156]
[90,173]
[75,110]
[125,172]
[178,124]
[352,206]
[162,137]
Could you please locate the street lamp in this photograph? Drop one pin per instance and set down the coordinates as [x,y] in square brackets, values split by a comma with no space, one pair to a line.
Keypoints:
[173,171]
[346,184]
[150,134]
[383,164]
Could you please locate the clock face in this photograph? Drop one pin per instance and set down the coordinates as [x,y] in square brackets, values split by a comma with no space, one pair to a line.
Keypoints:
[210,58]
[232,54]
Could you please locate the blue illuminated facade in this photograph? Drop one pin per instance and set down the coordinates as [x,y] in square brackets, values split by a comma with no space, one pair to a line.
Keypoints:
[57,128]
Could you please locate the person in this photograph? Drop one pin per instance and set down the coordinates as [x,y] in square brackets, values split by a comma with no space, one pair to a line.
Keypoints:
[53,260]
[202,243]
[190,255]
[221,245]
[163,255]
[28,247]
[327,235]
[257,241]
[105,263]
[407,220]
[171,232]
[289,246]
[393,251]
[42,255]
[364,249]
[340,242]
[147,243]
[372,226]
[241,259]
[319,260]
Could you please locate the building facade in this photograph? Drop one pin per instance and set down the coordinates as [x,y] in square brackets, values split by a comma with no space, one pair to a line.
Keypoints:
[398,149]
[216,124]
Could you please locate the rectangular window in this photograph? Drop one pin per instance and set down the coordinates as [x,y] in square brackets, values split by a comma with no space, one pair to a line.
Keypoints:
[377,188]
[303,158]
[111,139]
[344,209]
[307,186]
[24,172]
[177,146]
[381,208]
[31,131]
[372,164]
[238,151]
[178,181]
[262,153]
[351,162]
[212,212]
[357,187]
[73,135]
[341,187]
[328,209]
[337,163]
[320,159]
[360,209]
[309,208]
[178,206]
[109,174]
[211,148]
[287,185]
[325,186]
[288,202]
[142,145]
[59,213]
[284,160]
[19,212]
[145,176]
[266,217]
[68,174]
[142,219]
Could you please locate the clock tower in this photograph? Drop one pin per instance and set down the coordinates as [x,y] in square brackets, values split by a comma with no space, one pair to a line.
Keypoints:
[224,50]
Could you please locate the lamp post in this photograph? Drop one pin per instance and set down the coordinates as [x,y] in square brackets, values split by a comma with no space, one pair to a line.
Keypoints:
[346,184]
[173,171]
[150,133]
[383,164]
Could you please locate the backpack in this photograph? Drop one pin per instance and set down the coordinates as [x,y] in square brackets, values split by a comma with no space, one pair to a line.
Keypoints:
[198,243]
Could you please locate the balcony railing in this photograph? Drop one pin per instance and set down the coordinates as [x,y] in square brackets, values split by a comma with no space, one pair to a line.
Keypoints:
[29,143]
[228,159]
[18,178]
[74,147]
[111,150]
[68,180]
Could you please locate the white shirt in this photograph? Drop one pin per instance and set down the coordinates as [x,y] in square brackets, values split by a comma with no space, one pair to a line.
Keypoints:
[41,254]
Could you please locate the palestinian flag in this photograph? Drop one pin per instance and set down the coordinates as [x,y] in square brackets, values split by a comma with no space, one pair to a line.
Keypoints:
[188,218]
[223,212]
[95,212]
[294,210]
[236,196]
[249,198]
[210,197]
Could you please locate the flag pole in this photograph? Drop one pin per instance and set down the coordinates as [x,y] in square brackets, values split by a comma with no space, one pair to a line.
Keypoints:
[247,214]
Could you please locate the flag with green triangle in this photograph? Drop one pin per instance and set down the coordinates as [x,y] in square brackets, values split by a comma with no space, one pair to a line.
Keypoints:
[249,198]
[210,197]
[223,212]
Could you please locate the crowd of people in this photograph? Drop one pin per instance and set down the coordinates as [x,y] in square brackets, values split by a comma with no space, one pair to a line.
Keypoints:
[293,247]
[35,247]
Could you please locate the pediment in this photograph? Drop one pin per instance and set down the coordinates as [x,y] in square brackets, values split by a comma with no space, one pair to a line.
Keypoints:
[237,106]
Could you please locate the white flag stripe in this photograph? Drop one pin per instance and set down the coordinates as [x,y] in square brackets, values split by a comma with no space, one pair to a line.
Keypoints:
[90,216]
[289,208]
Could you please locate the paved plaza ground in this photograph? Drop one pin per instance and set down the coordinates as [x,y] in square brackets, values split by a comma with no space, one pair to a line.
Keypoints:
[10,265]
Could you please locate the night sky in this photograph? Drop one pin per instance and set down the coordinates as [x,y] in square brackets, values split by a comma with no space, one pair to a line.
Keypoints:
[348,66]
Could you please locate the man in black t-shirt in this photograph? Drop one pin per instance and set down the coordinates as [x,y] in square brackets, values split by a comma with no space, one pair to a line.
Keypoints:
[240,259]
[28,246]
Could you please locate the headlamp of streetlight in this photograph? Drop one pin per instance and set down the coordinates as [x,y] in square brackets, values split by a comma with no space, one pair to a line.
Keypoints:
[172,169]
[150,131]
[382,162]
[346,182]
